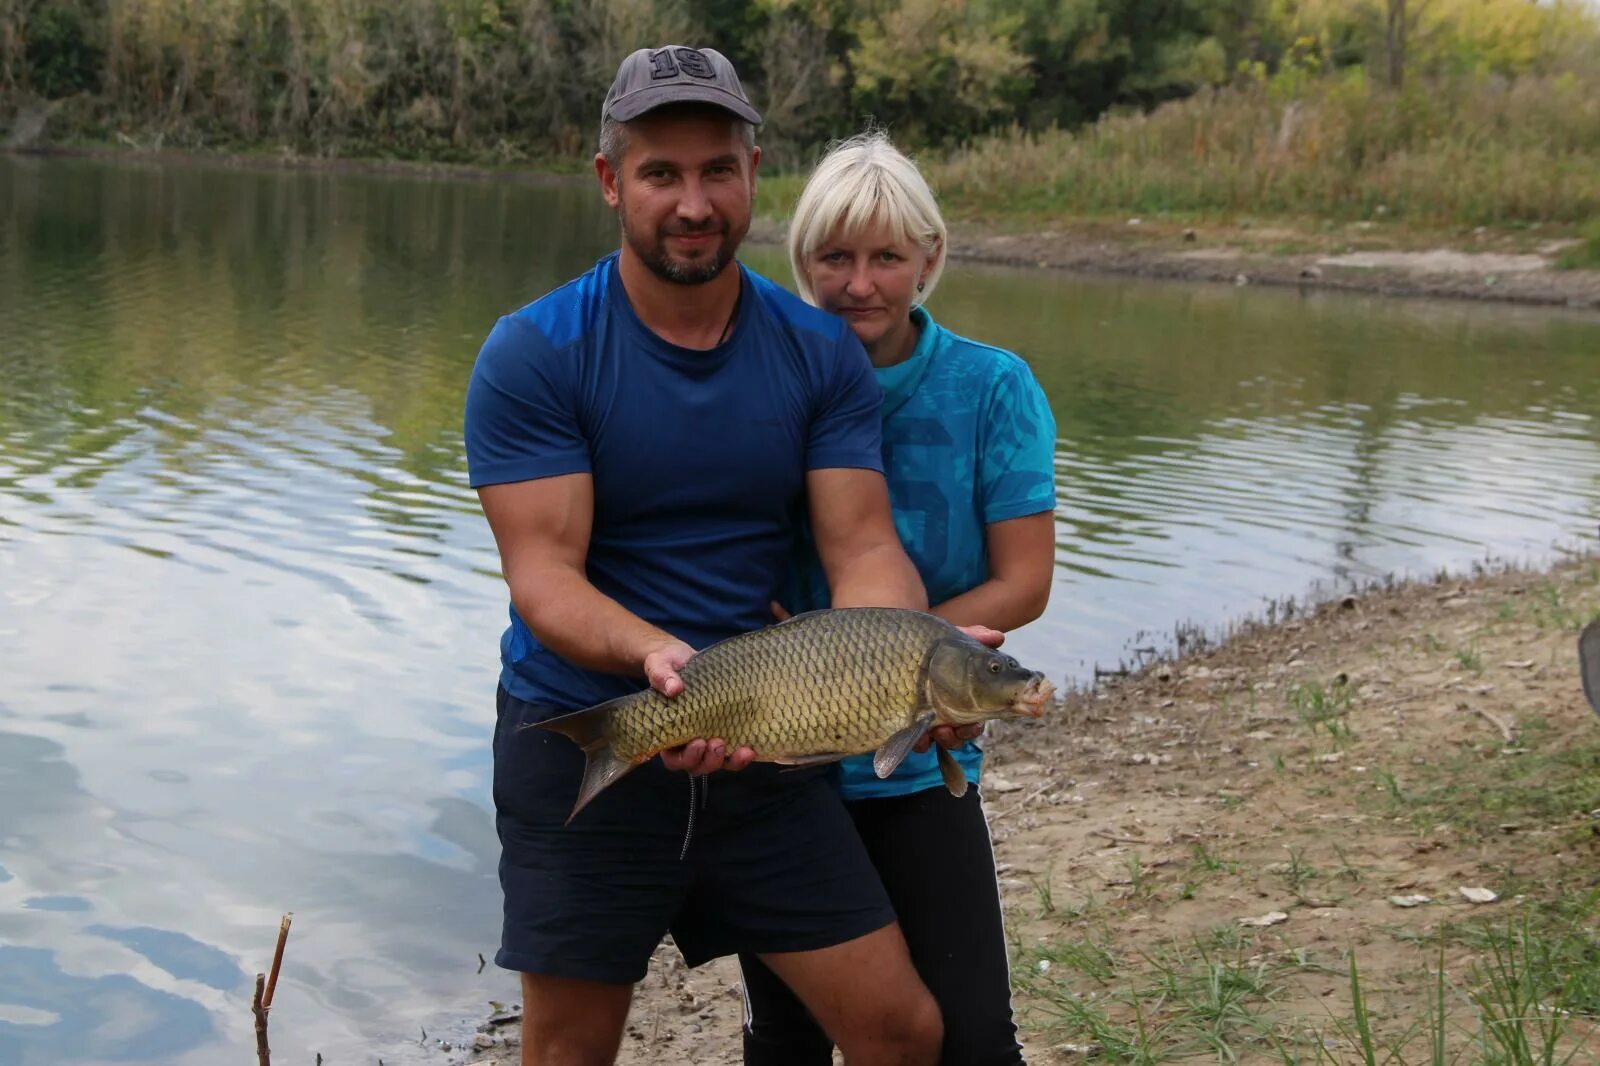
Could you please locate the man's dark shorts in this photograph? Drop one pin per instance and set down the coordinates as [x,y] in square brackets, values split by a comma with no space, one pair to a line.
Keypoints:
[774,862]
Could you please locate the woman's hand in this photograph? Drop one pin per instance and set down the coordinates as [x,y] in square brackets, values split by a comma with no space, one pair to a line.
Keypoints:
[954,736]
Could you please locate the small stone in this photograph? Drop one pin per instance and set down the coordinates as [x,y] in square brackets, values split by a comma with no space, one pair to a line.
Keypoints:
[1410,901]
[1479,895]
[1310,273]
[1189,236]
[1518,664]
[1269,918]
[1241,279]
[994,783]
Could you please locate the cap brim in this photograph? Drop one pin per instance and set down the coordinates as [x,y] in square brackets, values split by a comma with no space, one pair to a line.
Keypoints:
[651,97]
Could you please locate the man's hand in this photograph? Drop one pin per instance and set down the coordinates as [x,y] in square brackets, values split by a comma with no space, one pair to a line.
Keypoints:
[706,757]
[950,736]
[661,666]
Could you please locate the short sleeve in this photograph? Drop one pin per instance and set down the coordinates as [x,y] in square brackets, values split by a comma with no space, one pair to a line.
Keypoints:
[521,418]
[847,420]
[1016,476]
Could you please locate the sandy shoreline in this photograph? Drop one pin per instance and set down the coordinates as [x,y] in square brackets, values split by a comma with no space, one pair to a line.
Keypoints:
[1335,784]
[1365,257]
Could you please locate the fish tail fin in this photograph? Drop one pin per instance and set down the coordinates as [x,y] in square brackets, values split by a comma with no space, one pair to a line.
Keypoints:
[590,730]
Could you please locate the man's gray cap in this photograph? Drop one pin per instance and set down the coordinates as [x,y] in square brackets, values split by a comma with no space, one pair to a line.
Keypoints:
[675,74]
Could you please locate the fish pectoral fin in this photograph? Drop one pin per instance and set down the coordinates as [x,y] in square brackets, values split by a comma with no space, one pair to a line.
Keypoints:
[894,750]
[797,762]
[955,778]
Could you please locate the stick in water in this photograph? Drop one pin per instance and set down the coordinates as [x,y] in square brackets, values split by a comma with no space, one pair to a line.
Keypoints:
[265,986]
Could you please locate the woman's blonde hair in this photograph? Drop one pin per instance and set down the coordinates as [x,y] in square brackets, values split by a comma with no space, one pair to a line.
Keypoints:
[862,184]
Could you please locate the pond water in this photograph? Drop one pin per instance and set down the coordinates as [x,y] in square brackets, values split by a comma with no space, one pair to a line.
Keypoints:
[249,608]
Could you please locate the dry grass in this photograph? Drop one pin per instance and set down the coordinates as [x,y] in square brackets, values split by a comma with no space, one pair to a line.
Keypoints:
[1466,151]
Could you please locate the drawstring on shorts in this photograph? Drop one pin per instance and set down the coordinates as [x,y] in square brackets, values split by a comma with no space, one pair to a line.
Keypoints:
[688,831]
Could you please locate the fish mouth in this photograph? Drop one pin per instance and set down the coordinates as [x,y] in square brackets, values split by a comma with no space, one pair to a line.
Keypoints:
[1035,696]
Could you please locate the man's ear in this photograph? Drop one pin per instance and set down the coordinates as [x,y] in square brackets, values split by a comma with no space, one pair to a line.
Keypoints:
[607,174]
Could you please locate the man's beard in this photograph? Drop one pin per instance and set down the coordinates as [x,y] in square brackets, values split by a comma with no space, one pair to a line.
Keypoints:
[655,256]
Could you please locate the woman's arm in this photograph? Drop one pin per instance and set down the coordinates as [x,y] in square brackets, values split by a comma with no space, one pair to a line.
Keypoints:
[1022,559]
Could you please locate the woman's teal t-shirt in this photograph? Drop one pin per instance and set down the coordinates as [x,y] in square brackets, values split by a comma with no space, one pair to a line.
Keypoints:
[968,439]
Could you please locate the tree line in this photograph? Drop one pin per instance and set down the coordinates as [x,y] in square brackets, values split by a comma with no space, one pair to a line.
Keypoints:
[521,80]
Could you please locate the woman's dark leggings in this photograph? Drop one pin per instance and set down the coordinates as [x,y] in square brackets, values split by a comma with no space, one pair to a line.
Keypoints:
[933,852]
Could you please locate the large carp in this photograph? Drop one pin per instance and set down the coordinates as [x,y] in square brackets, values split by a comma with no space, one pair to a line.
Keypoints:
[813,689]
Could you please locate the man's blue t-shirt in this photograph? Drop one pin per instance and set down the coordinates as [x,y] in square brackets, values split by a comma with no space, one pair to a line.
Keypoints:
[698,457]
[968,439]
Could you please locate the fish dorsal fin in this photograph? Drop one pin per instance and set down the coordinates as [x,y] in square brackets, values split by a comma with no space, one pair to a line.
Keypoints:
[955,779]
[1589,662]
[894,750]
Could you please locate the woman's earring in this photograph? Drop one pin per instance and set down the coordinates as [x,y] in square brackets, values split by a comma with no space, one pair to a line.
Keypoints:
[920,284]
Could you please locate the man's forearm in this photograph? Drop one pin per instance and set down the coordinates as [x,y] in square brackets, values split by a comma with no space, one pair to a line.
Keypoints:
[583,625]
[879,577]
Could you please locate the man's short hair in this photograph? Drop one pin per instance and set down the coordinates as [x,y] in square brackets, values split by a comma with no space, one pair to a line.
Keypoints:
[614,137]
[865,183]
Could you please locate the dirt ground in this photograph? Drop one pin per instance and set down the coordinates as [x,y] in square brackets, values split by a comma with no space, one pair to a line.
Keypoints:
[1358,257]
[1192,855]
[1393,260]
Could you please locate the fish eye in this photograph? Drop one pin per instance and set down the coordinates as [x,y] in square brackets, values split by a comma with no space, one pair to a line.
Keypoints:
[994,666]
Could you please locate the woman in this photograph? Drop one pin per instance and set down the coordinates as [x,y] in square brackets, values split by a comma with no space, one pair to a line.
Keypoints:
[968,446]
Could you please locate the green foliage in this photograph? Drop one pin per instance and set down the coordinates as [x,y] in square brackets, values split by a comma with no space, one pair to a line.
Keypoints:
[63,50]
[1177,104]
[1586,254]
[935,70]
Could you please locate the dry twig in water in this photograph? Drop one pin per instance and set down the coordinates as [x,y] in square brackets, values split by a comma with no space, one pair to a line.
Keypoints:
[265,986]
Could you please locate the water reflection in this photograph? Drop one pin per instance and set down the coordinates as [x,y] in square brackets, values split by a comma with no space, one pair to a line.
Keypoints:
[248,608]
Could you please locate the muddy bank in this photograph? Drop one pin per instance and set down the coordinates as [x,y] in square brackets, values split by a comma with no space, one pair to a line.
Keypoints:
[1191,856]
[1386,259]
[1502,268]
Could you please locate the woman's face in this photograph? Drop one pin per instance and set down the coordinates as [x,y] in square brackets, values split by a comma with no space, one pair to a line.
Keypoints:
[870,280]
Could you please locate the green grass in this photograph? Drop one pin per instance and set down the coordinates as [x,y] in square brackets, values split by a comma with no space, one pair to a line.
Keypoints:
[1186,1000]
[1586,255]
[1323,707]
[1555,783]
[1551,608]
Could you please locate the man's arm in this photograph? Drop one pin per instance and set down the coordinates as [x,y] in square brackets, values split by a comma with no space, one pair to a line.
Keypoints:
[856,540]
[542,529]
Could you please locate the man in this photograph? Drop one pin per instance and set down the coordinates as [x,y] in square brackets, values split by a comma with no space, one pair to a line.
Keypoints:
[643,440]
